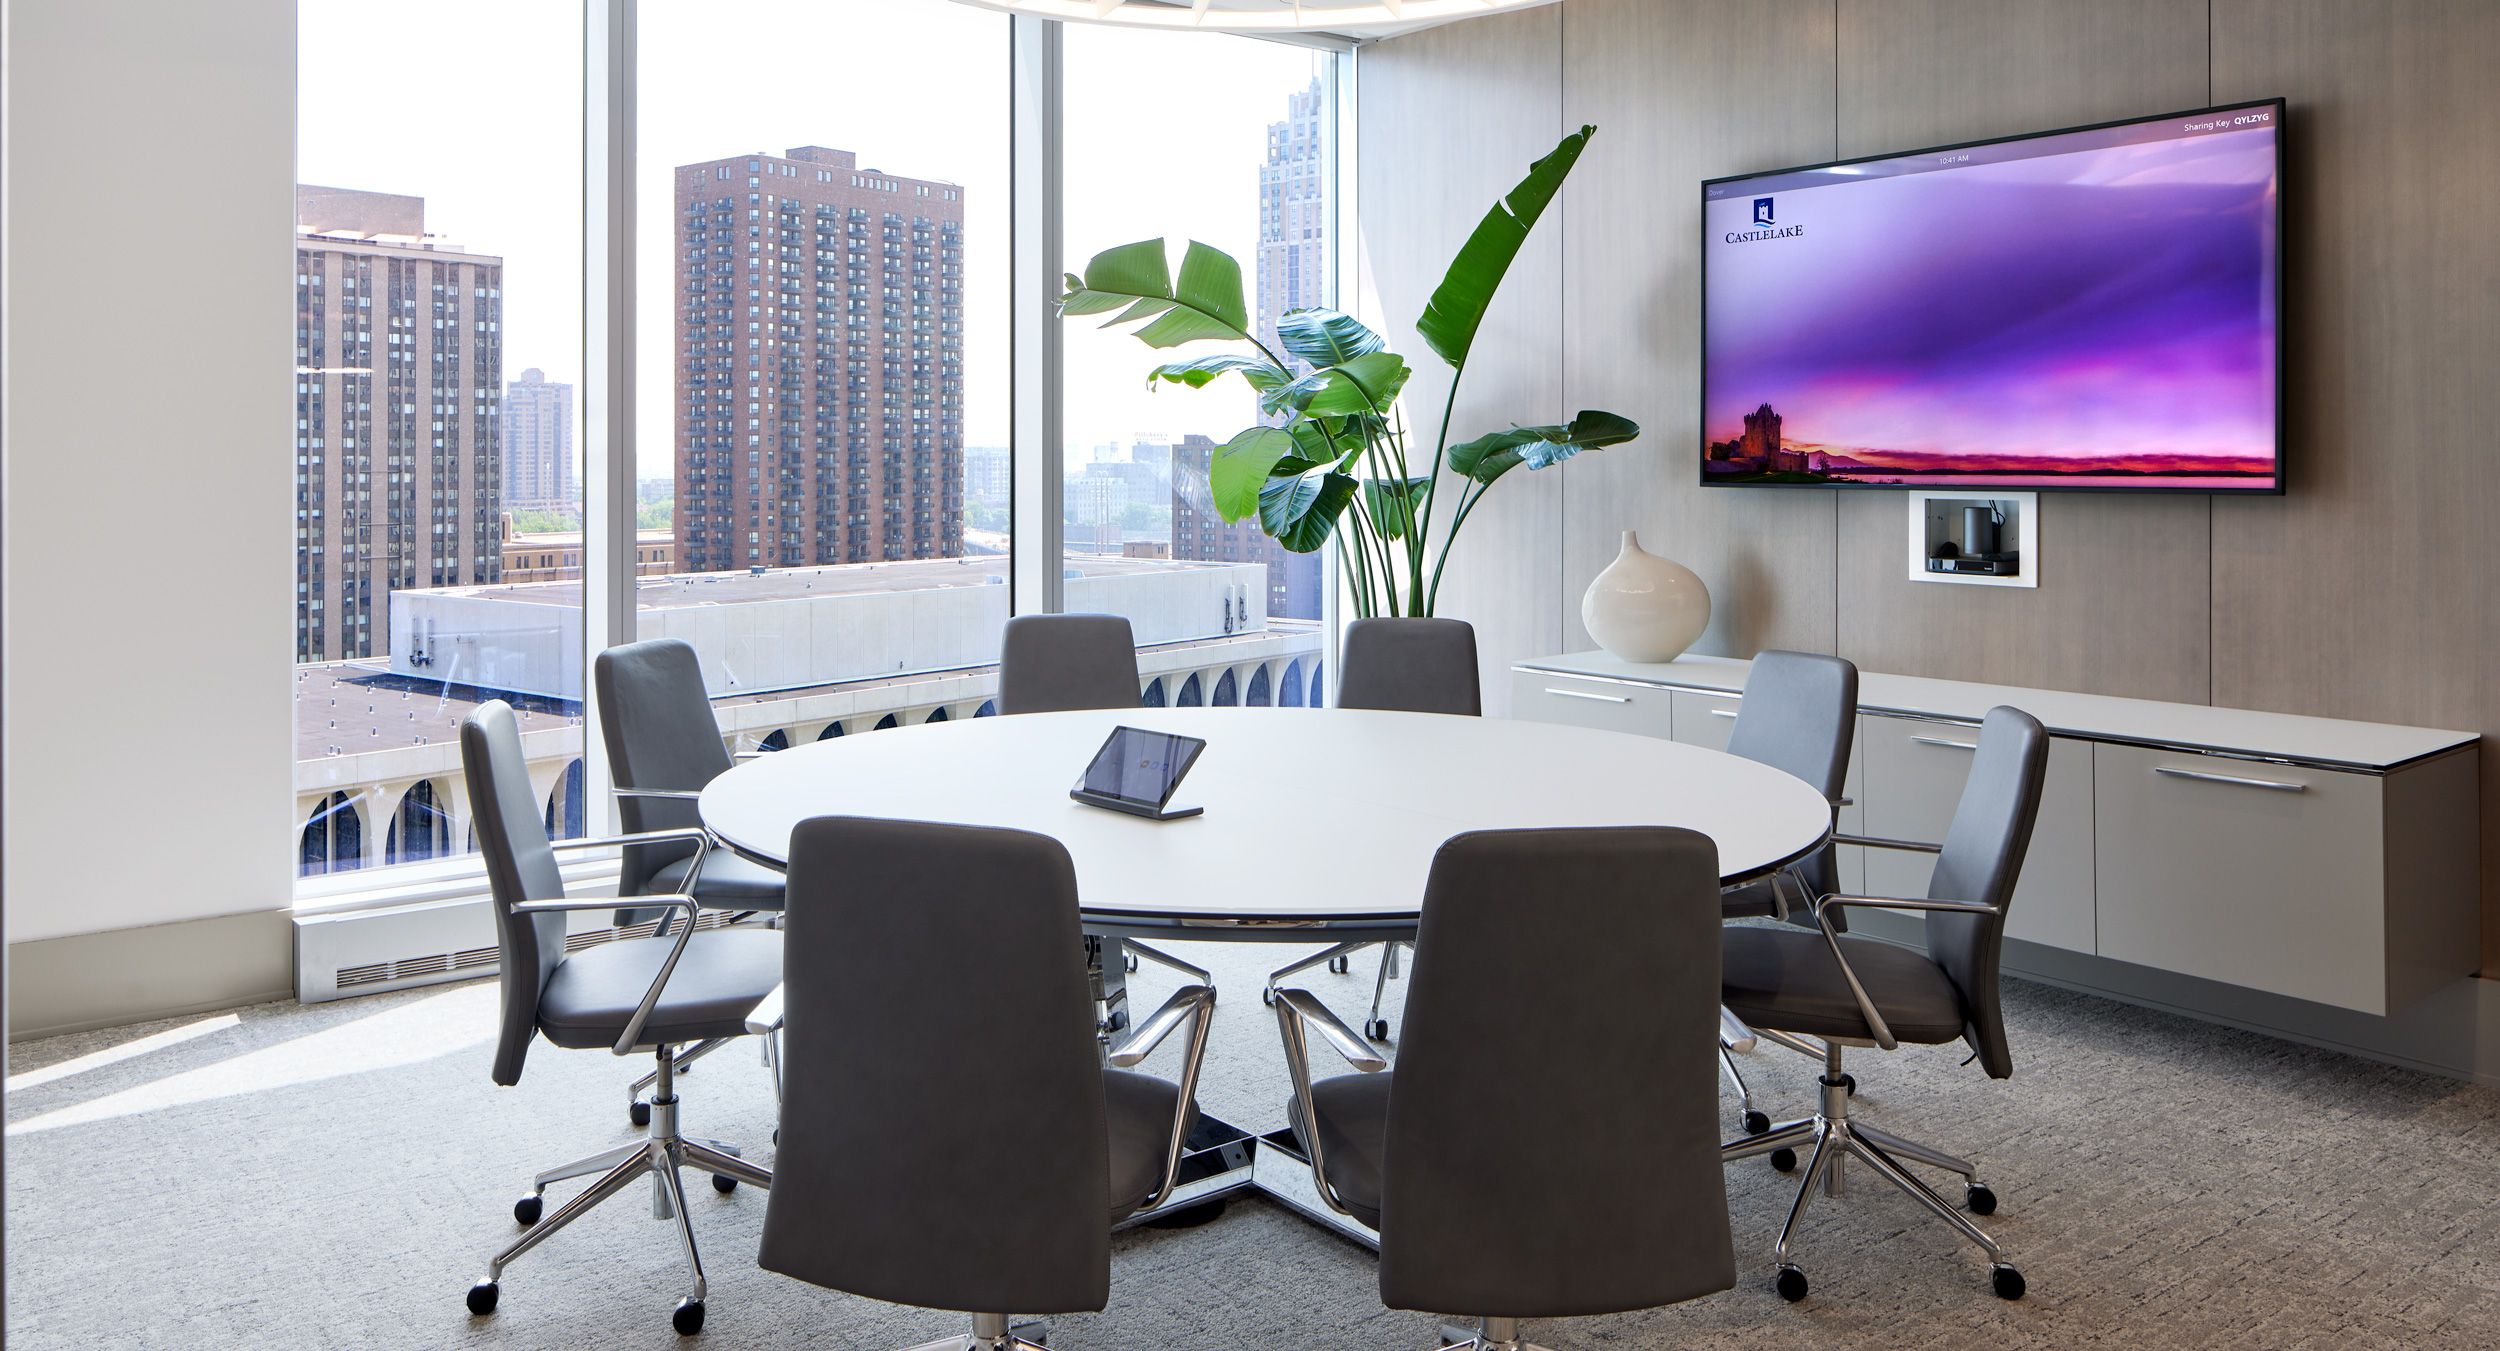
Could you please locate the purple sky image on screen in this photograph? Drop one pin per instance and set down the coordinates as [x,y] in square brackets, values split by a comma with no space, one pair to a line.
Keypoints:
[2100,317]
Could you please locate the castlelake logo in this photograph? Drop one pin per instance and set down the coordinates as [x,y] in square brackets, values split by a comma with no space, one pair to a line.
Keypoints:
[1766,225]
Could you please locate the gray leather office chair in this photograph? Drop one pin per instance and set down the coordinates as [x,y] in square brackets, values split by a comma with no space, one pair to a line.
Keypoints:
[663,747]
[1401,666]
[1515,1165]
[959,1144]
[1060,663]
[652,994]
[1799,716]
[1068,663]
[1820,991]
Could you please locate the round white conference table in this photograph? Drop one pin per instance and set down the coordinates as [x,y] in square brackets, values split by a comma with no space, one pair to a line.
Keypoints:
[1320,825]
[1315,818]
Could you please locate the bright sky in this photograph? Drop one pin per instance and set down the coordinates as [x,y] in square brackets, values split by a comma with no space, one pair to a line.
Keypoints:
[475,105]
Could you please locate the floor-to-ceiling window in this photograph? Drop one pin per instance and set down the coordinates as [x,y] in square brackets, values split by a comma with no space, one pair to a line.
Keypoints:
[822,400]
[1222,613]
[823,389]
[438,290]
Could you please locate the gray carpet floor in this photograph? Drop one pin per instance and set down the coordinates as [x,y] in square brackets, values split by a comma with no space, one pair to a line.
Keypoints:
[334,1177]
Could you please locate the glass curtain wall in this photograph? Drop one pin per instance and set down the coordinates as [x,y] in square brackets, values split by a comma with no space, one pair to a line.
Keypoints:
[1222,613]
[438,267]
[822,379]
[822,405]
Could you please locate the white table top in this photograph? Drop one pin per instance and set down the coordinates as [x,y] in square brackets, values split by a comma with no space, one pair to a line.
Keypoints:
[2092,717]
[1318,815]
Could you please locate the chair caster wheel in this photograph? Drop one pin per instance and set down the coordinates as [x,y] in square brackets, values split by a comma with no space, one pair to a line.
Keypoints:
[1339,966]
[1756,1122]
[724,1185]
[1130,963]
[1981,1201]
[526,1210]
[1267,995]
[1377,1029]
[1784,1160]
[1792,1284]
[688,1320]
[482,1297]
[2008,1281]
[640,1112]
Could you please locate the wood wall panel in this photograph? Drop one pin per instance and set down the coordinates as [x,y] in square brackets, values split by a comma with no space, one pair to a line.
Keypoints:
[2123,604]
[2372,590]
[1658,77]
[1450,120]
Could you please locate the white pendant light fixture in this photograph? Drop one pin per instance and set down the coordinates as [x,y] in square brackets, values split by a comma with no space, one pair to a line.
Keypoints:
[1348,18]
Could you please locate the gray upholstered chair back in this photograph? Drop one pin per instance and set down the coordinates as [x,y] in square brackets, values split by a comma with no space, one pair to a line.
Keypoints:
[1410,666]
[1055,663]
[942,1136]
[1558,1155]
[520,867]
[1982,858]
[1799,715]
[661,735]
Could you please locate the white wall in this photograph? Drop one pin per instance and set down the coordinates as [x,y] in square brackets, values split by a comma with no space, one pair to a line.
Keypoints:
[148,430]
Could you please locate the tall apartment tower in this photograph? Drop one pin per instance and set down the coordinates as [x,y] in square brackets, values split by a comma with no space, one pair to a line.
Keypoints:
[538,444]
[1292,275]
[819,363]
[1293,215]
[398,387]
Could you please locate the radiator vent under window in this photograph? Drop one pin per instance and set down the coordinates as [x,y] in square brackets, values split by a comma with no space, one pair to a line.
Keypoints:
[483,960]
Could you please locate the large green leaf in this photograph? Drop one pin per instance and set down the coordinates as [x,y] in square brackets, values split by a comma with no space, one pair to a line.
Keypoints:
[1489,457]
[1457,307]
[1241,466]
[1326,337]
[1136,280]
[1262,375]
[1301,512]
[1394,504]
[1368,382]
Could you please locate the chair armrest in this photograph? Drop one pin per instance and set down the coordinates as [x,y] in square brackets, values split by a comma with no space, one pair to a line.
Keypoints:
[1187,1001]
[668,794]
[767,1015]
[1297,1012]
[695,835]
[1878,842]
[1826,905]
[1304,1007]
[1194,1005]
[632,1035]
[750,755]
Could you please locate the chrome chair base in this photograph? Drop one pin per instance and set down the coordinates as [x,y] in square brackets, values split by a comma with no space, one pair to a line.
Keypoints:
[659,1155]
[1491,1334]
[1836,1139]
[991,1332]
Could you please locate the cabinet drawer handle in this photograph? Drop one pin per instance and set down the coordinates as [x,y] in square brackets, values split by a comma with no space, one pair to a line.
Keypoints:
[1584,694]
[1723,713]
[1946,742]
[2270,785]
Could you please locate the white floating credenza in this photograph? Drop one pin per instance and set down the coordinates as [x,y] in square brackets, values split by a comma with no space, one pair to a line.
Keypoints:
[2315,858]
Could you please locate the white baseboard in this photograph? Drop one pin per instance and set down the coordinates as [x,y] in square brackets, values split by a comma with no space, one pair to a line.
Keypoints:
[80,982]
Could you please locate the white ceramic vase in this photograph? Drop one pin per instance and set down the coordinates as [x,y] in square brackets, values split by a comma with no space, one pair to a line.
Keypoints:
[1643,607]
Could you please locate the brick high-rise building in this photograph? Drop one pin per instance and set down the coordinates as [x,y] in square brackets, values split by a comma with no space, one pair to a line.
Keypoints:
[538,445]
[398,385]
[819,363]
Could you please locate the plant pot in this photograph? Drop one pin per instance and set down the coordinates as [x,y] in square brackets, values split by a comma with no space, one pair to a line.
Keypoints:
[1643,607]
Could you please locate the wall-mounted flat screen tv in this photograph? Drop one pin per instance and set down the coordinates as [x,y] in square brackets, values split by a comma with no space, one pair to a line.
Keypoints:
[2096,308]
